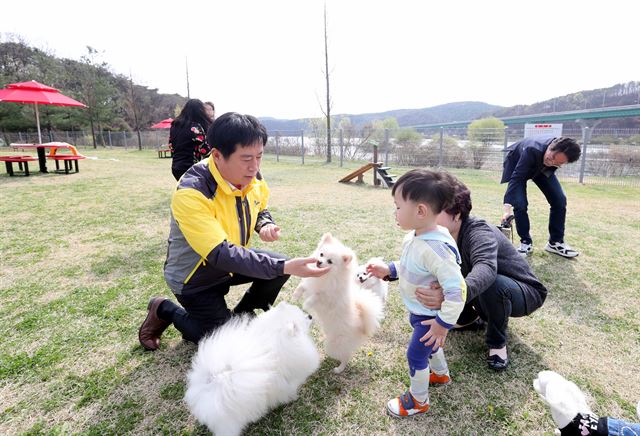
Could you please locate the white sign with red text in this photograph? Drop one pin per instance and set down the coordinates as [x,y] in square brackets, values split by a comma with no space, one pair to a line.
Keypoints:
[542,129]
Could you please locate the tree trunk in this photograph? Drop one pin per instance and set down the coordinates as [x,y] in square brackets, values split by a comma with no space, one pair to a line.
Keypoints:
[326,71]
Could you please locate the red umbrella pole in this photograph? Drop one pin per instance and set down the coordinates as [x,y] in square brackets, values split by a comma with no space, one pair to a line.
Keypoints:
[38,123]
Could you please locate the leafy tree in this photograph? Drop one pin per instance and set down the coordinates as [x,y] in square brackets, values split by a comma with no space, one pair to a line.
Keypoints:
[483,134]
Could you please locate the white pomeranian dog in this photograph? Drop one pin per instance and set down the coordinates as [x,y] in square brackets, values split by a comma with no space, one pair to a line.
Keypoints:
[348,316]
[249,366]
[368,281]
[572,414]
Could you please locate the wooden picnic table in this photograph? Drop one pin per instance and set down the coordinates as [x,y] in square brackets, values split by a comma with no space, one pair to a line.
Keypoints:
[53,150]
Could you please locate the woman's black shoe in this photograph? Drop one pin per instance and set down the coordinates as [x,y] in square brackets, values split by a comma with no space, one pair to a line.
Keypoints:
[496,363]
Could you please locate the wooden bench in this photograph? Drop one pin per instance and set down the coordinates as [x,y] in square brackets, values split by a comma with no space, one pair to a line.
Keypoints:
[22,159]
[165,152]
[68,160]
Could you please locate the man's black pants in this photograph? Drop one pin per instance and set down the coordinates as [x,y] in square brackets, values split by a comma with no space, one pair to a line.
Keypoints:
[204,311]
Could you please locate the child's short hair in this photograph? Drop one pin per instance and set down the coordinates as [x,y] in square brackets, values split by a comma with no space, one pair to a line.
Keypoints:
[233,129]
[426,186]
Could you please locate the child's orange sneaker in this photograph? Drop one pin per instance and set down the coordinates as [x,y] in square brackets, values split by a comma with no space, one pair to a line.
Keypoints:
[406,405]
[438,379]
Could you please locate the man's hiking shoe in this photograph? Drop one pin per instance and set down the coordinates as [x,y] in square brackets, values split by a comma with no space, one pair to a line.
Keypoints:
[561,249]
[525,249]
[406,405]
[437,379]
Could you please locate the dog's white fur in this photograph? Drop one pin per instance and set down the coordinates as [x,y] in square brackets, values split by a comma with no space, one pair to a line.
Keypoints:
[347,316]
[249,366]
[368,281]
[564,398]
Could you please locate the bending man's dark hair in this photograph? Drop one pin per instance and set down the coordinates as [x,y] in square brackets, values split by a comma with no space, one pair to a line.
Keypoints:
[233,129]
[425,186]
[192,112]
[568,146]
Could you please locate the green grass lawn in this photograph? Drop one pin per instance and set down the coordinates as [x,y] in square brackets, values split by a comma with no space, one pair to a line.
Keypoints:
[81,254]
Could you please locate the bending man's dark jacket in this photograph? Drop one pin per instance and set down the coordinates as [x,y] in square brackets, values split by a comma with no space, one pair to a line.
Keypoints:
[211,225]
[524,161]
[485,253]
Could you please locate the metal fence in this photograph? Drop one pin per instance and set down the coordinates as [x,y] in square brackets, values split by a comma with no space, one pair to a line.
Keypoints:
[610,156]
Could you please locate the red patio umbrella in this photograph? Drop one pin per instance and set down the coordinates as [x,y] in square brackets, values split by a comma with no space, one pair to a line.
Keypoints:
[36,93]
[164,124]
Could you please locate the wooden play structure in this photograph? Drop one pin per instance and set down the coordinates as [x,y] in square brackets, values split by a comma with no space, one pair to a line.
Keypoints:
[380,172]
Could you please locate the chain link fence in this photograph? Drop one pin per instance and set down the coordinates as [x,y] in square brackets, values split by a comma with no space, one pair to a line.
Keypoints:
[612,155]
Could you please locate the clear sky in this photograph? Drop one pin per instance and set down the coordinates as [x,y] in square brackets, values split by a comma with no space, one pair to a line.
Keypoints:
[266,58]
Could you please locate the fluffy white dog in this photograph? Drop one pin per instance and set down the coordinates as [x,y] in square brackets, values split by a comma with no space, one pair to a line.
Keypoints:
[347,316]
[368,281]
[250,366]
[570,410]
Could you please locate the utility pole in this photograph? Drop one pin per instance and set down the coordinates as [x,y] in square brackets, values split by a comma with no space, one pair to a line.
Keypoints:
[186,63]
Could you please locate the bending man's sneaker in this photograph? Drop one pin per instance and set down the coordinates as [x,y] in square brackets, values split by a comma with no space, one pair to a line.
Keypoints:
[561,249]
[525,249]
[406,405]
[152,327]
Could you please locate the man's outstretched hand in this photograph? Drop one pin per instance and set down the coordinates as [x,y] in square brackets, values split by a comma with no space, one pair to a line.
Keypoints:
[270,233]
[304,267]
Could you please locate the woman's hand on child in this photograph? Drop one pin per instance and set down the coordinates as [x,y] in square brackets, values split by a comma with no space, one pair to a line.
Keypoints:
[436,336]
[431,297]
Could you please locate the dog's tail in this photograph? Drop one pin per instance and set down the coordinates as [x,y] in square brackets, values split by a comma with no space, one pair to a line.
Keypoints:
[370,310]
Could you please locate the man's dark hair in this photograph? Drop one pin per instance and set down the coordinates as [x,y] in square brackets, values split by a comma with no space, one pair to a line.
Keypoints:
[192,112]
[461,199]
[425,186]
[233,129]
[568,146]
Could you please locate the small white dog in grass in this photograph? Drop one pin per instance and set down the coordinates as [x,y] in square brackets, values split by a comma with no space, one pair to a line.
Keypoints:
[347,316]
[572,414]
[249,366]
[368,281]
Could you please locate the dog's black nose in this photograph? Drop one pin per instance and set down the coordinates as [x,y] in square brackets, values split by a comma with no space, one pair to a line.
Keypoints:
[310,317]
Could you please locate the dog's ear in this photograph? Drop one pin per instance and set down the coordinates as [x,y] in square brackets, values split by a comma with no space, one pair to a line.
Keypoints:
[347,258]
[326,238]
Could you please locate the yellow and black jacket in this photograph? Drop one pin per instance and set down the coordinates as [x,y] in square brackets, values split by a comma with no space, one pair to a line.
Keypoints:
[211,226]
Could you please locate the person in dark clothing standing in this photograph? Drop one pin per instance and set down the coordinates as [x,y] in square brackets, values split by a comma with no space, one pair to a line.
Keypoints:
[500,283]
[537,159]
[187,137]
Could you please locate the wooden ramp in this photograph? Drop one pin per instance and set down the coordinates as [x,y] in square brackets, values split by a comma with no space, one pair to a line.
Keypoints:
[378,169]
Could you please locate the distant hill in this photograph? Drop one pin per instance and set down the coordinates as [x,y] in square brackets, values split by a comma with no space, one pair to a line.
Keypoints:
[618,95]
[622,94]
[459,111]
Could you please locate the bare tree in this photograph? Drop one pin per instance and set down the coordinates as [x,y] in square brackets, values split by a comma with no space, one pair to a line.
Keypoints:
[327,113]
[133,104]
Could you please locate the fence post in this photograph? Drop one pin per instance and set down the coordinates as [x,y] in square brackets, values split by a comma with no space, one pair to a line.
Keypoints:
[20,137]
[583,162]
[341,148]
[386,147]
[441,147]
[110,143]
[302,137]
[506,139]
[277,146]
[124,137]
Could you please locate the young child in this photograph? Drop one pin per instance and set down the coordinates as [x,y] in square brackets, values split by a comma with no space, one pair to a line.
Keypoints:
[429,254]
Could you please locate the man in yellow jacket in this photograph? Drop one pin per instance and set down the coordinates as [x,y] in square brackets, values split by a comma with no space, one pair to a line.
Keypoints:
[215,207]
